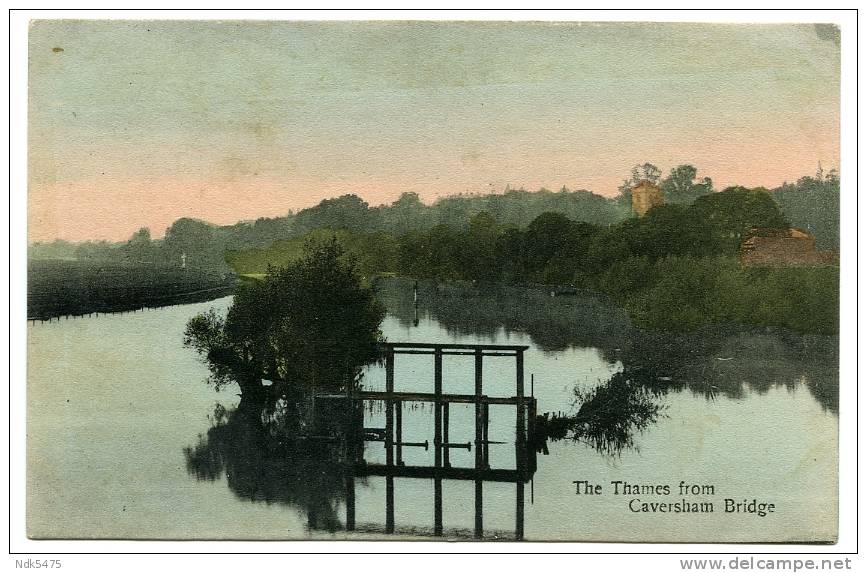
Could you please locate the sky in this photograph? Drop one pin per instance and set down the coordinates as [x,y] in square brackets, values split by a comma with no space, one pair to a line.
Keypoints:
[139,123]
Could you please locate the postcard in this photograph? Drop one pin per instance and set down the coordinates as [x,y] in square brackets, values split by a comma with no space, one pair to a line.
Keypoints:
[433,280]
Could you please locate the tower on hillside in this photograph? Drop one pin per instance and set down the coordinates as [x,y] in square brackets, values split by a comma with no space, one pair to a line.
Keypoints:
[645,196]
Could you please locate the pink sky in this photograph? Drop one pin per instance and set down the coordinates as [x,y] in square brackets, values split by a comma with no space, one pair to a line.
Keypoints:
[227,122]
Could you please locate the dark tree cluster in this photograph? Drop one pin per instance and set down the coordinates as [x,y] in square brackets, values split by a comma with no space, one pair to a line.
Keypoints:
[311,322]
[813,204]
[554,249]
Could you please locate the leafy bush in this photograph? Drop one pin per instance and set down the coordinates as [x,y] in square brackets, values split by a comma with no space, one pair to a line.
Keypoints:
[683,293]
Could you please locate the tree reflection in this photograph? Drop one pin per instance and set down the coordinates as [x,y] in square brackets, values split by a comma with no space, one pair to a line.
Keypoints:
[608,417]
[258,447]
[734,362]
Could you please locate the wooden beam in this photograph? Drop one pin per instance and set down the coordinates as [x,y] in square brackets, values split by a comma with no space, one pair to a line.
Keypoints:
[454,352]
[427,397]
[430,472]
[473,347]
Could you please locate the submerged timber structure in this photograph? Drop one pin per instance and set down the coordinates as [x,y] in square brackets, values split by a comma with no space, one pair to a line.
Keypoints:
[391,436]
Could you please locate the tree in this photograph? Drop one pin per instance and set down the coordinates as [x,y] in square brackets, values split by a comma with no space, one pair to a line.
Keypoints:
[557,248]
[609,416]
[813,204]
[57,249]
[512,256]
[681,187]
[546,235]
[478,251]
[311,322]
[407,213]
[139,248]
[344,212]
[96,251]
[192,238]
[734,211]
[669,230]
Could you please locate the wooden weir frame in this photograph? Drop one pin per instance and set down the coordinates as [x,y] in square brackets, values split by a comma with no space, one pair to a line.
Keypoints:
[525,408]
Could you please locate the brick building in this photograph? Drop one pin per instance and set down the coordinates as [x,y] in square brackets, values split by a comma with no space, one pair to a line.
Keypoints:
[783,248]
[645,196]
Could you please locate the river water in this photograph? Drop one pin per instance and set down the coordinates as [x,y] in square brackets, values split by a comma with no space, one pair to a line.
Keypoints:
[126,440]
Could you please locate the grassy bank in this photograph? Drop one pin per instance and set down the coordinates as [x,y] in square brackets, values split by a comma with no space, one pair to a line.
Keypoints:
[373,252]
[64,288]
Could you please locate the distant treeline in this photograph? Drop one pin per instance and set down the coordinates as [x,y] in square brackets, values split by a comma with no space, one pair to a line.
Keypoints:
[673,269]
[811,203]
[204,243]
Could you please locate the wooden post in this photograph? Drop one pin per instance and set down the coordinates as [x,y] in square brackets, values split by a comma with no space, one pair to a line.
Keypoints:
[486,419]
[479,529]
[479,411]
[398,408]
[479,372]
[389,408]
[519,391]
[438,506]
[350,503]
[531,424]
[389,440]
[521,444]
[446,461]
[438,440]
[389,504]
[438,393]
[389,370]
[438,452]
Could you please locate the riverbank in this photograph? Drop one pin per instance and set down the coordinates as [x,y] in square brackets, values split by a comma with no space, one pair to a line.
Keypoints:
[60,288]
[663,281]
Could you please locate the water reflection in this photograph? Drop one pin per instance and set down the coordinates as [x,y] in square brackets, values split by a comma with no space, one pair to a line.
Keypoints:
[733,363]
[313,452]
[728,361]
[608,417]
[259,449]
[277,450]
[121,423]
[484,310]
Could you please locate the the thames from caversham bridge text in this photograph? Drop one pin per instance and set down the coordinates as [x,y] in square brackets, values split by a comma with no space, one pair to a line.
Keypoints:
[691,498]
